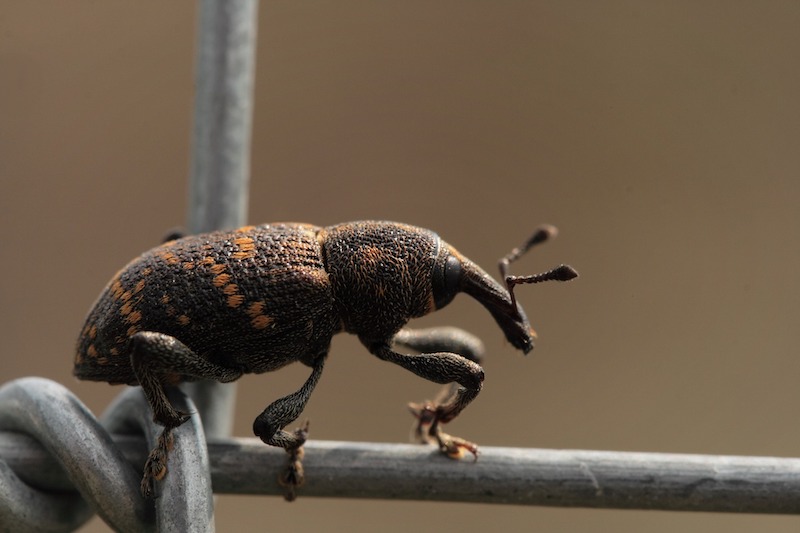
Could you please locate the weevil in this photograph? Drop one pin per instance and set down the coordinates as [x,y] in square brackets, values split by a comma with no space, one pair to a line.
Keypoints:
[252,300]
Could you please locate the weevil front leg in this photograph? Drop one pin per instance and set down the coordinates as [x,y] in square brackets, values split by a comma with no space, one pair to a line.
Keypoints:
[268,426]
[444,368]
[158,361]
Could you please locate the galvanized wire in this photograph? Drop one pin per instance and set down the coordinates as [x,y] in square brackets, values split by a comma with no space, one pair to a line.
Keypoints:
[513,476]
[220,166]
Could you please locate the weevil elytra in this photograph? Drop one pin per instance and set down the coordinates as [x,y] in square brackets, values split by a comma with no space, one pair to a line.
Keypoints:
[252,300]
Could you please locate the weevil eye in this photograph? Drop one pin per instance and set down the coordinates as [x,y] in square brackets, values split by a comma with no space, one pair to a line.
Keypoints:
[446,281]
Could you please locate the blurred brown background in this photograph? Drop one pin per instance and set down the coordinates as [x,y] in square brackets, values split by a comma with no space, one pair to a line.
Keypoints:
[661,138]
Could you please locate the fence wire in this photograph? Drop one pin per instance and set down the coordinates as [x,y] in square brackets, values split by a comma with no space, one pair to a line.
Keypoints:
[60,465]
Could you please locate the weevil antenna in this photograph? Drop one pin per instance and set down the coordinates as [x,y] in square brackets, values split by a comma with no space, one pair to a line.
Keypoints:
[560,273]
[542,234]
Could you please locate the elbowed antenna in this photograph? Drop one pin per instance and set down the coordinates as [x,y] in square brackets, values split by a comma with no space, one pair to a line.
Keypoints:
[560,273]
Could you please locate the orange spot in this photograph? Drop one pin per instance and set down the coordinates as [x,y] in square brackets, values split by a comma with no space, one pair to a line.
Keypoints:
[171,311]
[91,351]
[255,309]
[247,248]
[133,330]
[165,299]
[114,351]
[261,321]
[235,300]
[184,320]
[244,229]
[170,258]
[217,269]
[134,317]
[147,271]
[125,296]
[188,265]
[116,289]
[208,260]
[126,309]
[221,280]
[230,289]
[139,286]
[93,332]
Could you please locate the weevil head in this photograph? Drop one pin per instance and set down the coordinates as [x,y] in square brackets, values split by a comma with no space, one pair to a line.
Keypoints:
[459,274]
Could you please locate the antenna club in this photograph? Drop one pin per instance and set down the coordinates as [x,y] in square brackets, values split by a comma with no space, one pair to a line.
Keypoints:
[564,273]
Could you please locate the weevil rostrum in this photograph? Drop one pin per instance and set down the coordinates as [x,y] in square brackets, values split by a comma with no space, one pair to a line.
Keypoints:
[252,300]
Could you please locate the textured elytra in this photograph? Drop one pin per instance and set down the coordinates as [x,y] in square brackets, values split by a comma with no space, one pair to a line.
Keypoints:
[253,299]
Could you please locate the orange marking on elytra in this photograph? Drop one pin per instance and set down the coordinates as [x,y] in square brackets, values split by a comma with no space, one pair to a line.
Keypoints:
[125,296]
[208,261]
[165,299]
[188,265]
[133,330]
[235,300]
[255,309]
[261,321]
[217,269]
[244,229]
[231,288]
[169,257]
[147,271]
[247,248]
[139,286]
[134,317]
[222,280]
[91,351]
[93,332]
[126,308]
[116,289]
[184,320]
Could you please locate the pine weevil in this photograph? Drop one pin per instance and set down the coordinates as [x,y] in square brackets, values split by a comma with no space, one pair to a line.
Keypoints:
[253,300]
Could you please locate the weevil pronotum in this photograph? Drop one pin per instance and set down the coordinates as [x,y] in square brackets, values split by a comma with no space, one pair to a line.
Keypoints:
[252,300]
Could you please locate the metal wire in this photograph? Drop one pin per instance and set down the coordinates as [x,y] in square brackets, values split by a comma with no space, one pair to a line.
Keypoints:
[102,470]
[220,172]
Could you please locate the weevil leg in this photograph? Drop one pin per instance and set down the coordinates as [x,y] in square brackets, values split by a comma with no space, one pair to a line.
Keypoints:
[159,360]
[268,426]
[449,339]
[442,339]
[444,368]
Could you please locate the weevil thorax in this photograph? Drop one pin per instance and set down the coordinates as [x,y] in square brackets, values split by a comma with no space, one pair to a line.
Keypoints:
[383,274]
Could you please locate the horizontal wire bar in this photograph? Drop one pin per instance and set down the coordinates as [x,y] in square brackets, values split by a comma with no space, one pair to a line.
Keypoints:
[565,478]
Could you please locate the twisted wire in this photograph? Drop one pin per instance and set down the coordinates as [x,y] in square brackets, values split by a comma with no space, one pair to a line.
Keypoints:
[60,464]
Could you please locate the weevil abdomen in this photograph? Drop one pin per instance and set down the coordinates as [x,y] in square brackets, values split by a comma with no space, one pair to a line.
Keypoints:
[253,299]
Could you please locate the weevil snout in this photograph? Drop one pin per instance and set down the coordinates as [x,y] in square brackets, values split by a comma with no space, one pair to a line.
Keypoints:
[500,301]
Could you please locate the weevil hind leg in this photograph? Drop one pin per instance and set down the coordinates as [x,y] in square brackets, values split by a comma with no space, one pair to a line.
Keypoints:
[268,426]
[157,360]
[442,339]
